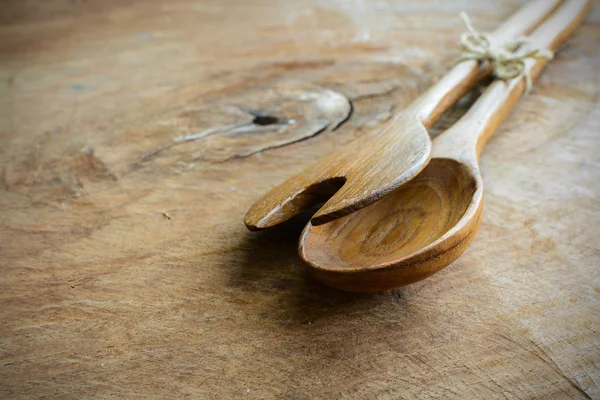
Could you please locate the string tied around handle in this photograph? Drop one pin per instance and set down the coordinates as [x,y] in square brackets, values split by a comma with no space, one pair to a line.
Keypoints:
[508,62]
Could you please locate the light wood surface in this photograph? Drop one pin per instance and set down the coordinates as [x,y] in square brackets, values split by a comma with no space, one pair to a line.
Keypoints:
[126,271]
[426,224]
[380,161]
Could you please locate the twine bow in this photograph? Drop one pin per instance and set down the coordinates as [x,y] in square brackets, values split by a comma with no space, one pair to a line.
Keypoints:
[508,62]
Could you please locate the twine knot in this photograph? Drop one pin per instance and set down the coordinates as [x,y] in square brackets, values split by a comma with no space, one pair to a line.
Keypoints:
[508,62]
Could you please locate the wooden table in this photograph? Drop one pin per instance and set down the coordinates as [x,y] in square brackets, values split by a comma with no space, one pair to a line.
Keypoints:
[126,271]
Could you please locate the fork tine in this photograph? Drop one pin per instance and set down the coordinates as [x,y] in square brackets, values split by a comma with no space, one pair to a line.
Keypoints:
[293,196]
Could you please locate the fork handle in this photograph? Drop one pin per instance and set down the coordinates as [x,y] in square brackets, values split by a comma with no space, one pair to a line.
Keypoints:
[466,138]
[464,76]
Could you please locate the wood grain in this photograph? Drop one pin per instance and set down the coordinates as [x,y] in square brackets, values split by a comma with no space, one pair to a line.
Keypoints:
[102,296]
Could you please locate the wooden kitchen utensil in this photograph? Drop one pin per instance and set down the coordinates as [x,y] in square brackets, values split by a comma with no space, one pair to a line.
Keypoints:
[375,164]
[426,224]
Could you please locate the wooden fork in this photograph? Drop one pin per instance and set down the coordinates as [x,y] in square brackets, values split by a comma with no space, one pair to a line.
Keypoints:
[377,163]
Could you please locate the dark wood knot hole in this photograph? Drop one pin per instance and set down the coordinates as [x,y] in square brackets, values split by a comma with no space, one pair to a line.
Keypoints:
[264,120]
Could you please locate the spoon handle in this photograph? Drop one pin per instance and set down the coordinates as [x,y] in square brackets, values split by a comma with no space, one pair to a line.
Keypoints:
[473,130]
[462,77]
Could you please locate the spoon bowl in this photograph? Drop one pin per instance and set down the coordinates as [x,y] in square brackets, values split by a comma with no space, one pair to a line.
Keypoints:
[408,235]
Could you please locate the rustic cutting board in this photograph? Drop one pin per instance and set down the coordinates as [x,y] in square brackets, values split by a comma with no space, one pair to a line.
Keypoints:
[126,270]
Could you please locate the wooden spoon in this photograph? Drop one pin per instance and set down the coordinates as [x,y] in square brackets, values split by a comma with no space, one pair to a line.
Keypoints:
[426,224]
[377,163]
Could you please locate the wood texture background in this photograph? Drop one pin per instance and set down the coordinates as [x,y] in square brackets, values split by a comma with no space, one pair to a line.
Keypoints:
[102,295]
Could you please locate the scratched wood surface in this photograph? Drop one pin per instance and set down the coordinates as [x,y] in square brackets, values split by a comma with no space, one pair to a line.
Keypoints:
[135,135]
